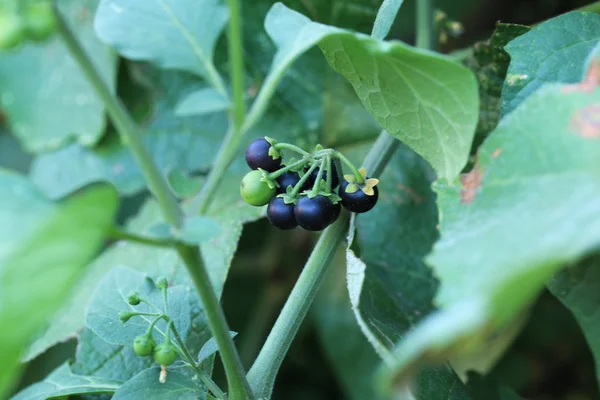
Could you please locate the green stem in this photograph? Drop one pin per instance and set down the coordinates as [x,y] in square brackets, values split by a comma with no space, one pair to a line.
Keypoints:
[594,7]
[236,59]
[317,185]
[287,146]
[238,387]
[116,233]
[355,172]
[124,124]
[236,379]
[279,172]
[302,181]
[264,370]
[329,173]
[426,38]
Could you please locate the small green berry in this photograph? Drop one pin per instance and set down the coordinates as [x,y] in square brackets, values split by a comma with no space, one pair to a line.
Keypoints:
[254,191]
[162,283]
[134,298]
[125,316]
[39,19]
[143,345]
[165,354]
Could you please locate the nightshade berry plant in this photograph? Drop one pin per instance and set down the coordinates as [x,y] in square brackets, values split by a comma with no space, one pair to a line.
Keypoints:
[461,186]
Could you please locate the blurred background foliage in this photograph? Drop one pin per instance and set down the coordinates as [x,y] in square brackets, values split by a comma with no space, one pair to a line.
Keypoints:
[549,360]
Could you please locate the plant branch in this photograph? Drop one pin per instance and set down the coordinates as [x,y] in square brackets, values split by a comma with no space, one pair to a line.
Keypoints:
[426,38]
[117,233]
[124,125]
[236,59]
[238,386]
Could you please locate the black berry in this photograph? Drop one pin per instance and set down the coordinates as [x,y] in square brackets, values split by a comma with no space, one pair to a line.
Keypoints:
[257,156]
[281,215]
[314,214]
[287,179]
[359,201]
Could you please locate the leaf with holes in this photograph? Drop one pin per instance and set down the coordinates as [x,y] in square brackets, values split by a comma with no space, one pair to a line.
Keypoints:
[513,221]
[46,97]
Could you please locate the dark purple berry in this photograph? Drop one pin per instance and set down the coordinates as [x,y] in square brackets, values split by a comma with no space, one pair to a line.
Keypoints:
[359,201]
[314,214]
[257,156]
[286,179]
[281,215]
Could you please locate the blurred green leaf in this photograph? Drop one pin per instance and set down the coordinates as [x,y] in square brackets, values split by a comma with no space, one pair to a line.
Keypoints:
[385,18]
[486,388]
[210,348]
[380,73]
[171,34]
[550,52]
[183,184]
[62,382]
[146,386]
[490,63]
[43,247]
[110,298]
[577,287]
[46,97]
[504,230]
[202,101]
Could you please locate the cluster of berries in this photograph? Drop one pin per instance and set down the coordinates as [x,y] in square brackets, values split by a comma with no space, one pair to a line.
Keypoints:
[308,192]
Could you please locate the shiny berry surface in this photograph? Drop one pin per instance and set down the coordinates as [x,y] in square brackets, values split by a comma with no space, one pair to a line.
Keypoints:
[281,215]
[257,156]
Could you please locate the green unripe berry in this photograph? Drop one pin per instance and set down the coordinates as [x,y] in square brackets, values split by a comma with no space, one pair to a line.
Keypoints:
[143,345]
[40,22]
[165,354]
[162,283]
[125,316]
[134,298]
[254,191]
[11,30]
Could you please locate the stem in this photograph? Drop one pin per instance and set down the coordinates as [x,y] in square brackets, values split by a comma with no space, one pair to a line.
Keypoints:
[236,58]
[329,173]
[292,148]
[279,172]
[426,25]
[117,233]
[236,379]
[236,376]
[264,370]
[124,125]
[355,172]
[594,7]
[317,185]
[302,181]
[210,384]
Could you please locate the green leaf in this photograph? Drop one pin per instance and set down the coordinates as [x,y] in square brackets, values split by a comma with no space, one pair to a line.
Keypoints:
[146,386]
[577,288]
[504,230]
[390,287]
[385,18]
[62,382]
[395,82]
[46,97]
[202,101]
[43,247]
[486,388]
[210,348]
[550,52]
[183,184]
[490,63]
[199,229]
[110,298]
[171,34]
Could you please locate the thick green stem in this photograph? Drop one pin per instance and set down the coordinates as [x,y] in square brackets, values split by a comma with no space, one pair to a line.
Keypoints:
[236,60]
[236,379]
[238,387]
[426,38]
[124,124]
[264,370]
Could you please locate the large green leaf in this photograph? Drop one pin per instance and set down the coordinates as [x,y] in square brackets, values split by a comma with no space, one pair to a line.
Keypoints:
[577,287]
[423,98]
[550,52]
[45,95]
[43,248]
[146,386]
[172,34]
[63,382]
[513,221]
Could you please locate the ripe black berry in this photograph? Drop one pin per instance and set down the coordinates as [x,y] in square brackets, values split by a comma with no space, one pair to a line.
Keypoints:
[287,179]
[281,215]
[257,156]
[357,202]
[337,208]
[314,214]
